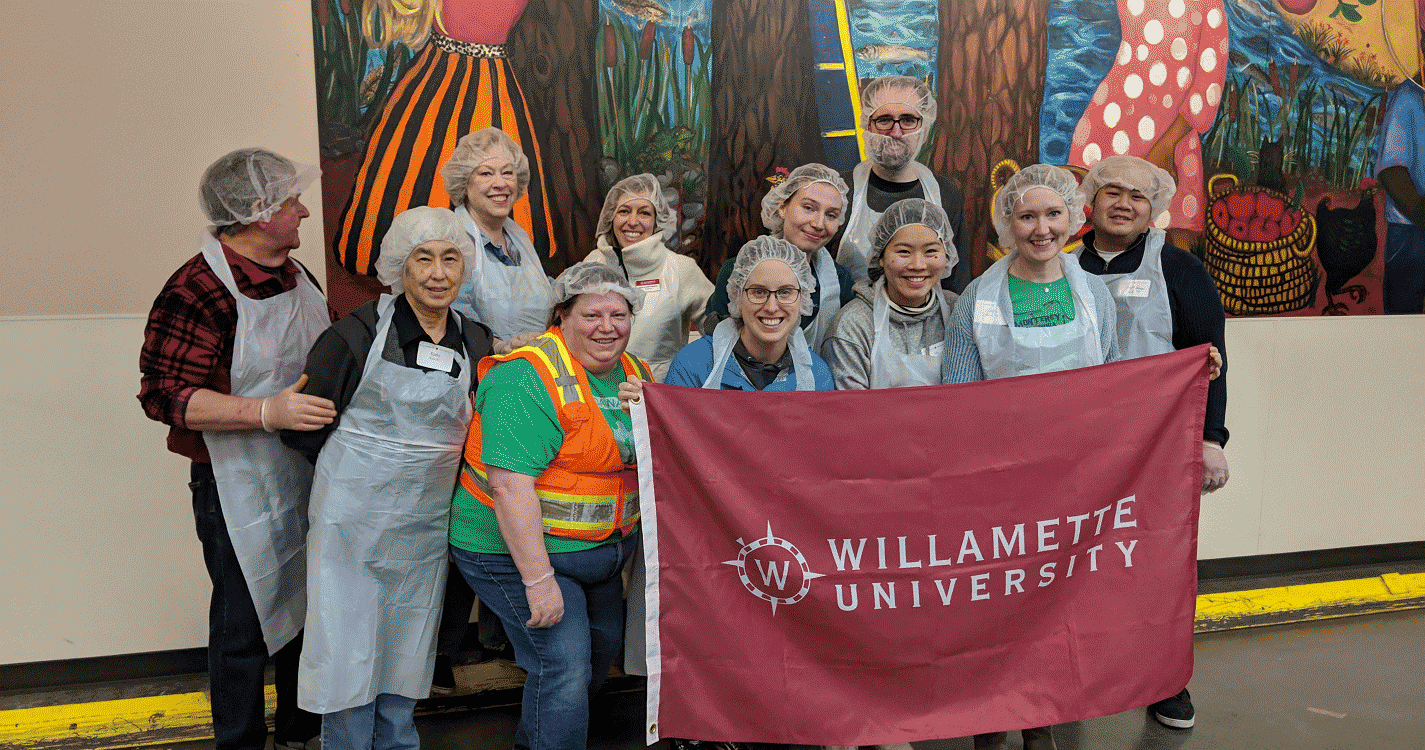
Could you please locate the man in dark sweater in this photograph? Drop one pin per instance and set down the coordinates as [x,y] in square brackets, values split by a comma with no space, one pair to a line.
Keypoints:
[896,115]
[1166,301]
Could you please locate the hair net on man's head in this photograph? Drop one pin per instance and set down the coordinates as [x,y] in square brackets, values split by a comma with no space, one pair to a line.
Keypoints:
[417,226]
[250,184]
[764,248]
[646,187]
[800,177]
[904,213]
[1061,181]
[904,89]
[475,149]
[889,151]
[592,277]
[1133,173]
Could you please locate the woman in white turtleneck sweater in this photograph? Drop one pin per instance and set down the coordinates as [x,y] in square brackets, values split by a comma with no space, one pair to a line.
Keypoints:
[633,225]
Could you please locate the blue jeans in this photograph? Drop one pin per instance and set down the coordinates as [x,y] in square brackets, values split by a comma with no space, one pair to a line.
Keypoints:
[237,653]
[1404,283]
[387,723]
[568,662]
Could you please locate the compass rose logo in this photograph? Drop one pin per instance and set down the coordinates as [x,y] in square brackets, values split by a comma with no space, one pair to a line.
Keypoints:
[773,559]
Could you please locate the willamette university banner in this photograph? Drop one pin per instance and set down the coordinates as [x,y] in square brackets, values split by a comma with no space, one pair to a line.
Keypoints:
[862,567]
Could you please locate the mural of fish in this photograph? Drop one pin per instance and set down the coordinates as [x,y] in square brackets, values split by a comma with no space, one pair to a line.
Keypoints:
[890,53]
[648,10]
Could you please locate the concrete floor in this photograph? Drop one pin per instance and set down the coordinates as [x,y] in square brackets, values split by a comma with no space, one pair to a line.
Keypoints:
[1342,684]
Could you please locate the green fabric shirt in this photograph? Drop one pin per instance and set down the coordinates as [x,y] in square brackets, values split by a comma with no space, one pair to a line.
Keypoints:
[1040,305]
[520,432]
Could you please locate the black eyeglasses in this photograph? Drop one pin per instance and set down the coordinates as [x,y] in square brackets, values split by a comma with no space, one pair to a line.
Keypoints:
[908,123]
[758,296]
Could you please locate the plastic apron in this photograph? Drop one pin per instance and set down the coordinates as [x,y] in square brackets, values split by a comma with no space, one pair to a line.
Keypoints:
[509,299]
[828,286]
[1145,318]
[658,331]
[892,369]
[263,484]
[380,525]
[855,245]
[1006,350]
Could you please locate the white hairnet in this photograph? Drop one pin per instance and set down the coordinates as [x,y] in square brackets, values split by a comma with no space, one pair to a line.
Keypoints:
[475,149]
[250,184]
[910,211]
[1057,179]
[1133,173]
[592,277]
[414,227]
[763,248]
[646,187]
[800,177]
[888,151]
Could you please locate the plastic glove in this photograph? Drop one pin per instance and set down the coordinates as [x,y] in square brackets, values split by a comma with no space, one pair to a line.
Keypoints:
[546,603]
[1214,467]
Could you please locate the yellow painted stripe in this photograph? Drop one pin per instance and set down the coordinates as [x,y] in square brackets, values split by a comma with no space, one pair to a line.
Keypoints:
[838,133]
[106,724]
[1308,599]
[132,722]
[830,66]
[843,28]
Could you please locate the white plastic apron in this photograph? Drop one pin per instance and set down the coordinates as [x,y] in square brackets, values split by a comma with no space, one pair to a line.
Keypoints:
[892,369]
[855,248]
[1006,350]
[658,331]
[1145,318]
[828,286]
[263,484]
[509,299]
[380,526]
[725,337]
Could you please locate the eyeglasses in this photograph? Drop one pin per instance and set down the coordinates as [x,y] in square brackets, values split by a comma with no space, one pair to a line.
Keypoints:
[759,296]
[908,123]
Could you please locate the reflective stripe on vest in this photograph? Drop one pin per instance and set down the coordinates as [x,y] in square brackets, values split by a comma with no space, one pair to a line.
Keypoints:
[586,491]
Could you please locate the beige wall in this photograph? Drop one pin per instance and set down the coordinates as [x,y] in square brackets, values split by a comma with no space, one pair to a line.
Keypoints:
[108,125]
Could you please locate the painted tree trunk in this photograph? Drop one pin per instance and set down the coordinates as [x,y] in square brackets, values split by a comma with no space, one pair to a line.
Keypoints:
[991,86]
[763,115]
[552,52]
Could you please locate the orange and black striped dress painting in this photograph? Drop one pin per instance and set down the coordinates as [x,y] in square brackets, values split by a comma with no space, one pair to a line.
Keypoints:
[446,93]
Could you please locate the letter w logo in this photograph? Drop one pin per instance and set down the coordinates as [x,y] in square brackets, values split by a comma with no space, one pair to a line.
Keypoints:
[770,573]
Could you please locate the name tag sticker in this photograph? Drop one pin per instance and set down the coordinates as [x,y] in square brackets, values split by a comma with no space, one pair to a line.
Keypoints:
[434,356]
[1133,287]
[649,285]
[987,313]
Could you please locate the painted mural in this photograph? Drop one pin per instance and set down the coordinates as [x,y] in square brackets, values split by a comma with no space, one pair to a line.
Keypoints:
[1292,126]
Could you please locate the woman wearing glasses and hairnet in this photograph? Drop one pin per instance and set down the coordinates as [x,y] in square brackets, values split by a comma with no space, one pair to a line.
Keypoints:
[805,210]
[632,235]
[399,371]
[893,334]
[546,511]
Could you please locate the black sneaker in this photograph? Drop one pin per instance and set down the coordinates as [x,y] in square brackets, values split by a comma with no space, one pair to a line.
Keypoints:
[443,681]
[1175,712]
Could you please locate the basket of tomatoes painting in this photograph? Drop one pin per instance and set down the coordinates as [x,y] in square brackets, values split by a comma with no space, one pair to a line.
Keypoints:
[1259,246]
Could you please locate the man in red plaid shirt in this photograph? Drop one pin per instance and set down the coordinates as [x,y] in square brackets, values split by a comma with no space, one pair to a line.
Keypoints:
[223,351]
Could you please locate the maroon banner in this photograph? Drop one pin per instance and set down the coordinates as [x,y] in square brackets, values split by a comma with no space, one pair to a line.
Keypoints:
[871,567]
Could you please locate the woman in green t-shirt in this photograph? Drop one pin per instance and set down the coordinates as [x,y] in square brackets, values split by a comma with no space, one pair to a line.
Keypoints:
[546,512]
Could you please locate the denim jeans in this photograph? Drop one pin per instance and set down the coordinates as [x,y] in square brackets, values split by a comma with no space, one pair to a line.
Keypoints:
[568,662]
[1404,285]
[387,723]
[237,654]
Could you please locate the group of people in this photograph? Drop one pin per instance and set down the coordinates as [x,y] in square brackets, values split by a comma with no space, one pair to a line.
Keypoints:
[476,418]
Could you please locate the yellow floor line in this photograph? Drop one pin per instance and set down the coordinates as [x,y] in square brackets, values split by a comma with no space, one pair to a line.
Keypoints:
[108,723]
[124,723]
[1308,598]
